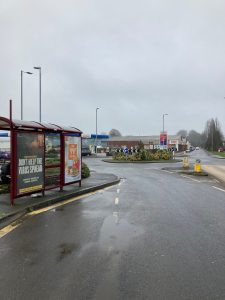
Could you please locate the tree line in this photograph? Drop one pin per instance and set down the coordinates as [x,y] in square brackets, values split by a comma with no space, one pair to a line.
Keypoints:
[210,139]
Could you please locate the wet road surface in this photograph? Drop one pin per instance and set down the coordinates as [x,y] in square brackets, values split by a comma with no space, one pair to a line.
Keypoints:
[156,235]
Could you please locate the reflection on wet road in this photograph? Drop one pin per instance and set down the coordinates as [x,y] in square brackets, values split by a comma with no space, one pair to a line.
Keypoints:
[156,235]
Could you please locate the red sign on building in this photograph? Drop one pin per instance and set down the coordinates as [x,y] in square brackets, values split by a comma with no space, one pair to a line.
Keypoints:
[163,139]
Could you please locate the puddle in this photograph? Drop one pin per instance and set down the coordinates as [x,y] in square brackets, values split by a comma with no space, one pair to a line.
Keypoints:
[65,250]
[117,233]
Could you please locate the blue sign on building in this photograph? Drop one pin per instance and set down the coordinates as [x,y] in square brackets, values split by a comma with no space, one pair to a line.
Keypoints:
[4,134]
[99,136]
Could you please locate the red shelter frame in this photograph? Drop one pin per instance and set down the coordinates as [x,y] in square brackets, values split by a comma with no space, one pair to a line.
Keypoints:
[19,126]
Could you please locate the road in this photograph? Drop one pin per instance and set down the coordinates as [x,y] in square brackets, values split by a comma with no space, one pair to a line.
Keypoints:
[205,158]
[156,235]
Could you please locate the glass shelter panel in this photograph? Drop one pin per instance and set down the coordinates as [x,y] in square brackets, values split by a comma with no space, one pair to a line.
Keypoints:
[52,159]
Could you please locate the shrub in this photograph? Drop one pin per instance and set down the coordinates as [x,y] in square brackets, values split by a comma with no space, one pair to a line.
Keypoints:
[166,156]
[156,156]
[143,155]
[119,156]
[85,172]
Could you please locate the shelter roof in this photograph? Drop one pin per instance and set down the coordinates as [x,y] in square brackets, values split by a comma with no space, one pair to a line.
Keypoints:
[5,124]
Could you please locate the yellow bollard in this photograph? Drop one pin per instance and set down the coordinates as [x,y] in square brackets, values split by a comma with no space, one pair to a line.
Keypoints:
[198,166]
[185,162]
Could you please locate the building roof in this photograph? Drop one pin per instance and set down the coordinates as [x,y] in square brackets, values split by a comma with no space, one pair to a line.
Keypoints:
[144,139]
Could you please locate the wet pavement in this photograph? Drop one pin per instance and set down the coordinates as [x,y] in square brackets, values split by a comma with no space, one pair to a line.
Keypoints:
[27,203]
[156,235]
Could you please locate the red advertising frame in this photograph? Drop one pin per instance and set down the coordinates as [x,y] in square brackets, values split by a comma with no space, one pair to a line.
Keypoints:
[17,126]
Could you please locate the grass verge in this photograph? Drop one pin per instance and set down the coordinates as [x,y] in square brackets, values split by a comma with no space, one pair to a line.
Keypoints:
[221,154]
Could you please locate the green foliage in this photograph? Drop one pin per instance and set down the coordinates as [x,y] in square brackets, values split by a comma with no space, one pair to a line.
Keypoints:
[140,145]
[52,151]
[4,188]
[85,172]
[143,155]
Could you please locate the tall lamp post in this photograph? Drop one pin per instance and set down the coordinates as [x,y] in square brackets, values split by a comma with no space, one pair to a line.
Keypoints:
[164,120]
[39,68]
[21,83]
[97,108]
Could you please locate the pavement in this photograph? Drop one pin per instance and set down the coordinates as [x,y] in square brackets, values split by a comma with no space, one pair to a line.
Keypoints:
[23,205]
[217,171]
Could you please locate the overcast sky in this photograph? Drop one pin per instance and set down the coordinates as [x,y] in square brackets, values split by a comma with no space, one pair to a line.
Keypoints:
[134,59]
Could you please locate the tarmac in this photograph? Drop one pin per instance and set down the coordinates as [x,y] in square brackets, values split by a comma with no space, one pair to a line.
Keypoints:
[95,182]
[26,204]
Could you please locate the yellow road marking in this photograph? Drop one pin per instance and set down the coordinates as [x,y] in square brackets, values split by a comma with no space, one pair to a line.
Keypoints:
[8,229]
[39,211]
[17,223]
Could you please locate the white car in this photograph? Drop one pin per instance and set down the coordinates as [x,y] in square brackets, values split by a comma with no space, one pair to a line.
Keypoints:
[197,148]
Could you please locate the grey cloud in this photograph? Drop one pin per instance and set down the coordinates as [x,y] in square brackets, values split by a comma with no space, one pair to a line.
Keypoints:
[134,59]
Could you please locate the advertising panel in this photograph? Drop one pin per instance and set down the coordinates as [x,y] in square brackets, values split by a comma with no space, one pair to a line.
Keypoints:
[72,158]
[30,162]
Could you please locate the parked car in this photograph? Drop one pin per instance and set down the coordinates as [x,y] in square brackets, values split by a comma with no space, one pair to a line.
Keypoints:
[5,173]
[4,155]
[85,151]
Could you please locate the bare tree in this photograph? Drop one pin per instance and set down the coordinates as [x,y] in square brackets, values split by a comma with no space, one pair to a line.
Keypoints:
[214,135]
[196,138]
[114,132]
[182,132]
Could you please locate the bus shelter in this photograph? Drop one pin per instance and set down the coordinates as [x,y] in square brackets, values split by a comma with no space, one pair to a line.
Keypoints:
[43,156]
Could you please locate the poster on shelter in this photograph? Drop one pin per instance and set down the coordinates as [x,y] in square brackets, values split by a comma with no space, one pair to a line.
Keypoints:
[72,158]
[30,162]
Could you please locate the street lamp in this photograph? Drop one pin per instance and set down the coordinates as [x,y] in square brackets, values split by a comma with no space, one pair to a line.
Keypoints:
[97,108]
[39,68]
[164,120]
[21,83]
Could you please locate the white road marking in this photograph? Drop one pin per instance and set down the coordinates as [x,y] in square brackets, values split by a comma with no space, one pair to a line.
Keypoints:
[116,201]
[215,187]
[116,216]
[118,191]
[191,178]
[168,171]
